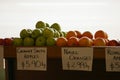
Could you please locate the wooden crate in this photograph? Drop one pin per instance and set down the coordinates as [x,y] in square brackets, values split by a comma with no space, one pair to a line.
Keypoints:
[54,67]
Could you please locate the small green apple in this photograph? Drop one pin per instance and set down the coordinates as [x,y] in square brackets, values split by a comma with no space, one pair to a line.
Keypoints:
[47,25]
[17,41]
[28,41]
[36,33]
[61,34]
[48,32]
[56,33]
[40,41]
[51,41]
[56,26]
[25,33]
[64,33]
[40,24]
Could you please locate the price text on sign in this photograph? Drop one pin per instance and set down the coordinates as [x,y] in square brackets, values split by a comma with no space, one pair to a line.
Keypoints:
[113,59]
[1,57]
[77,58]
[33,58]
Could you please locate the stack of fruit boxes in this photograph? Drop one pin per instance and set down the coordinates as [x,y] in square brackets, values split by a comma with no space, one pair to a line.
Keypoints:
[54,67]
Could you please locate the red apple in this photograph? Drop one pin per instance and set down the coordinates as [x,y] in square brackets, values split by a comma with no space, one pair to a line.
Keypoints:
[119,42]
[1,41]
[113,42]
[8,41]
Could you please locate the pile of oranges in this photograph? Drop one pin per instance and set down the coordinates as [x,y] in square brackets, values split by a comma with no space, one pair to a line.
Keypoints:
[85,39]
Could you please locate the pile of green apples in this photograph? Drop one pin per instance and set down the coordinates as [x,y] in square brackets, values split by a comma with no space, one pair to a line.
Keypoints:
[43,35]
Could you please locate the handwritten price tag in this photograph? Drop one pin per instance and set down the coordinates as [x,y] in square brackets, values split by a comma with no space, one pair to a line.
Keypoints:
[33,58]
[77,58]
[113,59]
[1,57]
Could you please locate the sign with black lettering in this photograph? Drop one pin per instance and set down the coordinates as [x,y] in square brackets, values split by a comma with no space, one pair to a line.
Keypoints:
[31,58]
[112,59]
[74,58]
[1,57]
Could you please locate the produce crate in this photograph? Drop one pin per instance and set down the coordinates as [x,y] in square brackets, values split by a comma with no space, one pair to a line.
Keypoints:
[54,67]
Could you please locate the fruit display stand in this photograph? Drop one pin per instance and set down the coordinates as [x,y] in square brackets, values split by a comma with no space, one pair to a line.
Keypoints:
[54,67]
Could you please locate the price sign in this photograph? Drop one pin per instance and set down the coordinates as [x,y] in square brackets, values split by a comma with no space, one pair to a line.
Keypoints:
[33,58]
[112,59]
[74,58]
[1,57]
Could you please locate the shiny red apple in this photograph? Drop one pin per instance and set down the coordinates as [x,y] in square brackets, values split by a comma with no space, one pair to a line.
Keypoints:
[113,42]
[8,41]
[1,41]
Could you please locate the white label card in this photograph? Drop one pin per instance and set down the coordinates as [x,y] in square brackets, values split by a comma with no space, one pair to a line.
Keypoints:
[112,59]
[31,58]
[74,58]
[1,57]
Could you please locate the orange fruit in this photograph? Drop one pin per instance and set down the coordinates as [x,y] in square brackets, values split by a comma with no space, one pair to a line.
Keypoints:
[100,33]
[106,40]
[61,41]
[79,34]
[73,41]
[85,41]
[99,42]
[70,34]
[88,34]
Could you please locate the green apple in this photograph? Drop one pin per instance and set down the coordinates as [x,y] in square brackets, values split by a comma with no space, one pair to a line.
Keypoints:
[48,32]
[40,24]
[28,41]
[64,33]
[61,34]
[40,41]
[42,29]
[36,33]
[25,33]
[17,41]
[47,25]
[51,41]
[56,26]
[56,33]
